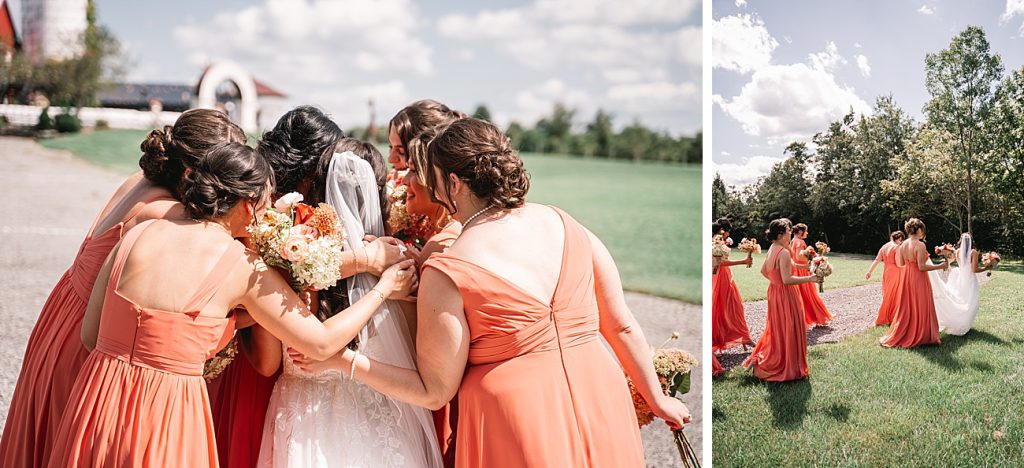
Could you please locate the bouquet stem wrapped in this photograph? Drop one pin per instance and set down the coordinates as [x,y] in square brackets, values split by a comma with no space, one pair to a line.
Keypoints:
[750,246]
[819,265]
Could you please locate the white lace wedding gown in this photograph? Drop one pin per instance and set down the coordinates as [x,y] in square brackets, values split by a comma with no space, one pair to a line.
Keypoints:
[956,298]
[325,419]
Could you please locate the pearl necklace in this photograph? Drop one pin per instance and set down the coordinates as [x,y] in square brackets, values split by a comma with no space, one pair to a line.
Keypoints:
[478,213]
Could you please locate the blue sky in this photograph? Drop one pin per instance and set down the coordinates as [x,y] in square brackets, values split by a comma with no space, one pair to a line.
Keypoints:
[783,69]
[640,60]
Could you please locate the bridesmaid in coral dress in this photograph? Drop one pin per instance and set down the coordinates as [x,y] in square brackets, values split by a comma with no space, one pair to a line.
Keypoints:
[716,367]
[781,353]
[55,354]
[890,277]
[815,312]
[527,318]
[140,399]
[295,148]
[914,322]
[728,322]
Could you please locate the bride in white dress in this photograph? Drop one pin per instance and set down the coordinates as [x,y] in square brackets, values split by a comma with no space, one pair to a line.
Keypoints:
[326,419]
[956,298]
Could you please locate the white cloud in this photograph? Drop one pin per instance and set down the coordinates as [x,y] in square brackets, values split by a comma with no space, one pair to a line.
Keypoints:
[464,55]
[741,43]
[741,3]
[925,10]
[537,101]
[637,13]
[747,172]
[828,59]
[654,92]
[863,65]
[786,101]
[690,49]
[1014,8]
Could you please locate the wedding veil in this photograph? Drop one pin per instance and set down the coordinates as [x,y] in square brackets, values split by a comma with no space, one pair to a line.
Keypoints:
[956,298]
[352,191]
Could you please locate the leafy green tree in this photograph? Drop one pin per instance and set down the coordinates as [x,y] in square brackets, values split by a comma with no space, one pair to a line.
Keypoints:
[601,133]
[962,80]
[482,113]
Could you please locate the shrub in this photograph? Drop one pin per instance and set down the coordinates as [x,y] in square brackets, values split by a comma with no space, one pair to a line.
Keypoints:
[102,124]
[44,123]
[67,123]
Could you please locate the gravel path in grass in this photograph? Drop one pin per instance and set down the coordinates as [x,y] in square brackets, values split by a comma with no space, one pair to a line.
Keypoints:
[853,311]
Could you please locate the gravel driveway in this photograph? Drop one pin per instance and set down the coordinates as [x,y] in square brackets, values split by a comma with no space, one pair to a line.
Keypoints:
[52,198]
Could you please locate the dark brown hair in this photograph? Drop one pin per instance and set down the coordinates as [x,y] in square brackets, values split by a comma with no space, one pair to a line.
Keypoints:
[419,116]
[480,155]
[167,153]
[416,153]
[913,225]
[777,228]
[799,227]
[297,144]
[228,174]
[897,235]
[720,226]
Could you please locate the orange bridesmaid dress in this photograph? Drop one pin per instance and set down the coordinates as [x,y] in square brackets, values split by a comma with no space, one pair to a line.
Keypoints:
[890,286]
[716,367]
[140,399]
[914,322]
[815,312]
[540,388]
[55,354]
[781,353]
[728,322]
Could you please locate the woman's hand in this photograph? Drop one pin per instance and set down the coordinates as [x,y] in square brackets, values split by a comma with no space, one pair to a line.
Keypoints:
[748,261]
[673,411]
[313,366]
[399,281]
[381,253]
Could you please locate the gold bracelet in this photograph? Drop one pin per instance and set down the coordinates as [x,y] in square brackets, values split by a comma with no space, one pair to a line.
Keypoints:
[382,296]
[352,370]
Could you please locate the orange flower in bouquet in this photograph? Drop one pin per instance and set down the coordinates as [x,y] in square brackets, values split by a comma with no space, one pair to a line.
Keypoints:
[750,246]
[946,251]
[990,260]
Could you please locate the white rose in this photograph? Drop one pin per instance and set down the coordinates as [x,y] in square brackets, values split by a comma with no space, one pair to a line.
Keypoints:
[288,201]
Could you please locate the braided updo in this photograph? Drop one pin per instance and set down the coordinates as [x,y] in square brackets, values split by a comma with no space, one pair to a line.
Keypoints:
[297,144]
[481,156]
[167,153]
[228,174]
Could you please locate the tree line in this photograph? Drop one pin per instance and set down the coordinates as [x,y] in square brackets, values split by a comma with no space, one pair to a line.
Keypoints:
[961,169]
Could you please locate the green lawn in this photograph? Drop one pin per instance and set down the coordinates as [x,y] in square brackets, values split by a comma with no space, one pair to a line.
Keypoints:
[847,270]
[958,404]
[647,214]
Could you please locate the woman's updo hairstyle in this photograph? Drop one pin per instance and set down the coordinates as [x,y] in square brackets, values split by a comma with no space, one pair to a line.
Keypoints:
[720,226]
[481,156]
[419,116]
[913,225]
[777,228]
[897,236]
[799,228]
[228,174]
[167,153]
[297,144]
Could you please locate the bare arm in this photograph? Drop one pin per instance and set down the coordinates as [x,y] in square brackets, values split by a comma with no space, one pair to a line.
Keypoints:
[878,259]
[91,322]
[262,349]
[271,302]
[442,350]
[976,265]
[922,260]
[620,329]
[786,269]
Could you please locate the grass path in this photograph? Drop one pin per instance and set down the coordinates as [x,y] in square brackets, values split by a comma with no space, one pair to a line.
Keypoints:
[958,404]
[847,270]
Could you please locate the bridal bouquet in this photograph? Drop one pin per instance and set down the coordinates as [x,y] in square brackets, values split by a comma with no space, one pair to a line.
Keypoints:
[750,246]
[946,251]
[822,247]
[719,250]
[990,260]
[808,253]
[821,268]
[405,226]
[673,367]
[220,361]
[305,242]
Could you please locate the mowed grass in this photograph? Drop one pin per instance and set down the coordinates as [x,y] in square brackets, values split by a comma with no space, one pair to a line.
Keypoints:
[647,214]
[847,270]
[958,404]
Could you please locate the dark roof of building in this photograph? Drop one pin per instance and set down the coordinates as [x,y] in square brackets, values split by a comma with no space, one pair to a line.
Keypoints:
[140,93]
[262,89]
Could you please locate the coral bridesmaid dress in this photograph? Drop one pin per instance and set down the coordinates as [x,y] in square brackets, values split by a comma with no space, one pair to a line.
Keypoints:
[140,399]
[716,367]
[914,322]
[728,323]
[540,388]
[55,354]
[815,311]
[239,397]
[781,353]
[890,287]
